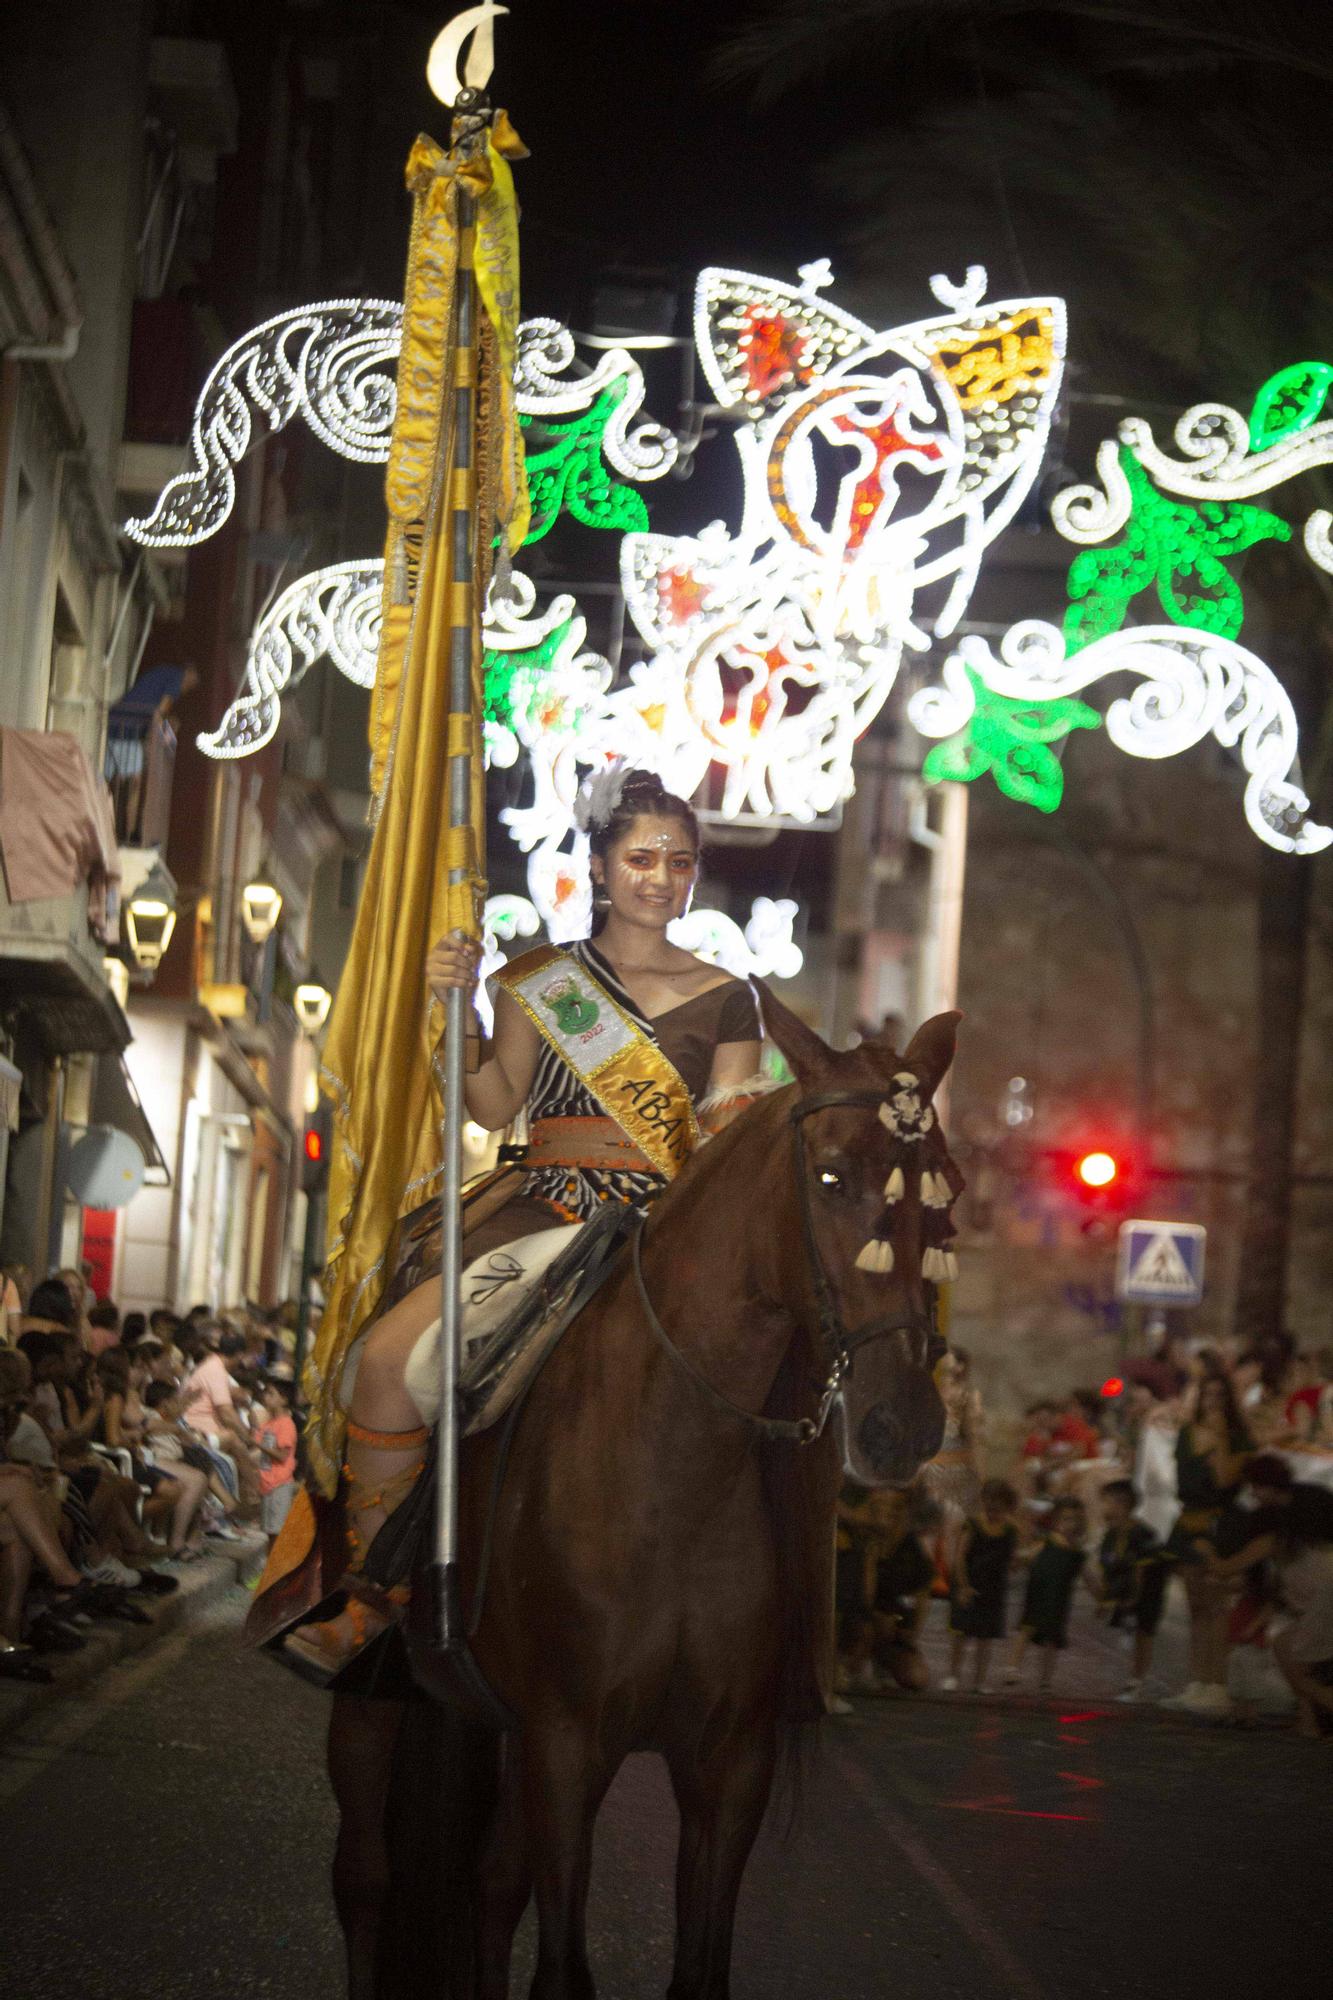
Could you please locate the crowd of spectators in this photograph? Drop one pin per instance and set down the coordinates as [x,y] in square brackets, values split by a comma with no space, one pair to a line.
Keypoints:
[1206,1471]
[127,1444]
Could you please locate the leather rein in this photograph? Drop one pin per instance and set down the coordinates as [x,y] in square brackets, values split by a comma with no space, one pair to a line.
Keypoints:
[839,1342]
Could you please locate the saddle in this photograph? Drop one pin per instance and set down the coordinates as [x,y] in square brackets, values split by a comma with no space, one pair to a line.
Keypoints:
[501,1363]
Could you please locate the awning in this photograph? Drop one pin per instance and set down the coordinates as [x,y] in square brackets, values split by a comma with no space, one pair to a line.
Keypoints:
[116,1102]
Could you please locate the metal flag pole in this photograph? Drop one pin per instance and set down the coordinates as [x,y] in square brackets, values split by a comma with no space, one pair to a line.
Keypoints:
[472,117]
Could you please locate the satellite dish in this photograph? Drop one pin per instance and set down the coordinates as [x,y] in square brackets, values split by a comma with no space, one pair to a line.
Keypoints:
[104,1168]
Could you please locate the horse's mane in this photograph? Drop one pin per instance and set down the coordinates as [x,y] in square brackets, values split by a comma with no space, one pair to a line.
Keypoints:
[799,1482]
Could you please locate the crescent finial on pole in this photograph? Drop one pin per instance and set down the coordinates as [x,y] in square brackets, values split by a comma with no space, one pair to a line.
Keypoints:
[442,64]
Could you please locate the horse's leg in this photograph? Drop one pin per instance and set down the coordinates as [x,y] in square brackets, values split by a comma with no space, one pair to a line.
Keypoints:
[362,1736]
[563,1782]
[504,1883]
[722,1803]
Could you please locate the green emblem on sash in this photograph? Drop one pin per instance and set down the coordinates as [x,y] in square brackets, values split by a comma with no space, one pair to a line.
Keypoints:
[573,1011]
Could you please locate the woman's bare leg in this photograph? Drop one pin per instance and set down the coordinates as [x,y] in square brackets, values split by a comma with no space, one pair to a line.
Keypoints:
[188,1490]
[379,1468]
[15,1570]
[21,1505]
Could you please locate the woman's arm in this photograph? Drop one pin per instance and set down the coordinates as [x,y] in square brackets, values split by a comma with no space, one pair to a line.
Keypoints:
[734,1063]
[496,1091]
[1261,1549]
[81,1427]
[113,1428]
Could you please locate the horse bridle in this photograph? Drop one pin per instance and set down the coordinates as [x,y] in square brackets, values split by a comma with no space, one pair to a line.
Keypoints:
[839,1342]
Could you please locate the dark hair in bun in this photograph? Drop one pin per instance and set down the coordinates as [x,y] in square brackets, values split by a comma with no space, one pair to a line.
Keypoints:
[642,793]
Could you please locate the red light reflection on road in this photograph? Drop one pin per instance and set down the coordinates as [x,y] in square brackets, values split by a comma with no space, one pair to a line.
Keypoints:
[1012,1812]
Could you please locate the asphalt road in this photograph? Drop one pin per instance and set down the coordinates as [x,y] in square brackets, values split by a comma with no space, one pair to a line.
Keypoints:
[165,1837]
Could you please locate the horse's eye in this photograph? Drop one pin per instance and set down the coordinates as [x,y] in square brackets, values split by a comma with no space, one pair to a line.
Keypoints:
[830,1179]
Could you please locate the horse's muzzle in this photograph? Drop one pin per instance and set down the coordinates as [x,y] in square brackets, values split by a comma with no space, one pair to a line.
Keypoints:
[895,1438]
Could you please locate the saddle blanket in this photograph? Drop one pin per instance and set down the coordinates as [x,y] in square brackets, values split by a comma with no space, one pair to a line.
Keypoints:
[516,1304]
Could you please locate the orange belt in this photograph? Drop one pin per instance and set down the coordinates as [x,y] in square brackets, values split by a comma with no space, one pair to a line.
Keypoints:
[584,1142]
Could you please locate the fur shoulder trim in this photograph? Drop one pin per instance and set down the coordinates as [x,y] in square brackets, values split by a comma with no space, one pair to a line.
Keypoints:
[723,1095]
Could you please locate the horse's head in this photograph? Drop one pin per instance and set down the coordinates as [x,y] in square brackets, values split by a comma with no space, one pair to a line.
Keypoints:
[874,1186]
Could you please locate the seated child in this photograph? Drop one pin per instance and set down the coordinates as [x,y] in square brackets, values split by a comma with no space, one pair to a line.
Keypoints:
[981,1579]
[1052,1574]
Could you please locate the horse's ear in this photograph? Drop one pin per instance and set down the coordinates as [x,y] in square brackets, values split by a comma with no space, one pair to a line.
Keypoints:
[931,1050]
[807,1054]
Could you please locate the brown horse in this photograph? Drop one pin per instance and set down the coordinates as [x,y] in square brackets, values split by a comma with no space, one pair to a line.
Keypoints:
[662,1570]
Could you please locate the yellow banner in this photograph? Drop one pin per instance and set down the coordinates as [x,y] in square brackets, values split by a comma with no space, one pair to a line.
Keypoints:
[385,1157]
[626,1072]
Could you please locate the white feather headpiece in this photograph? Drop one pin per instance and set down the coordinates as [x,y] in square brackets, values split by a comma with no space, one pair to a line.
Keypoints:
[599,796]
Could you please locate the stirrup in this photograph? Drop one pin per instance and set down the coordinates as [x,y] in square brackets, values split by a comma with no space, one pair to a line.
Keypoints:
[308,1649]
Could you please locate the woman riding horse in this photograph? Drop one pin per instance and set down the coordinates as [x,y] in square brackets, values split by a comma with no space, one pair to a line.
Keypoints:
[657,1530]
[693,1038]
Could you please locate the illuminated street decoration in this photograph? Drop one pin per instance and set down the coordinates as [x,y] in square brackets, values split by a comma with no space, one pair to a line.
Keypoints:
[771,648]
[333,612]
[1178,548]
[877,466]
[567,474]
[546,350]
[1009,738]
[1191,685]
[330,364]
[1223,457]
[1289,402]
[1180,520]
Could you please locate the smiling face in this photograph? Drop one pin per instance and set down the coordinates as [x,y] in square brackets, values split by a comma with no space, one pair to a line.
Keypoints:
[649,874]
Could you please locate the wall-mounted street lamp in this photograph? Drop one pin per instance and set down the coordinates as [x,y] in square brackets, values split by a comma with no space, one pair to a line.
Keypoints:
[261,906]
[117,975]
[150,918]
[312,1003]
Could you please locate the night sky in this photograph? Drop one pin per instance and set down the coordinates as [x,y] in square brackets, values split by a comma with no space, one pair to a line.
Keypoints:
[640,157]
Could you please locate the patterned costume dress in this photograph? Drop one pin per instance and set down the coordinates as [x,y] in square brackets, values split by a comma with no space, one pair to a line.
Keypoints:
[568,1174]
[578,1160]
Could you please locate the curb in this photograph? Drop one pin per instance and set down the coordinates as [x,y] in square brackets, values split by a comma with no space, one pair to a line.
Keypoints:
[201,1585]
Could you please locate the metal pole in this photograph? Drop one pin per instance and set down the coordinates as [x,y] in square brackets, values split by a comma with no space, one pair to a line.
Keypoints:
[310,1264]
[461,501]
[1146,1050]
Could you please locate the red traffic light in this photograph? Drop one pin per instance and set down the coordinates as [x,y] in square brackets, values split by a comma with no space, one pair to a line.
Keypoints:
[314,1145]
[1097,1170]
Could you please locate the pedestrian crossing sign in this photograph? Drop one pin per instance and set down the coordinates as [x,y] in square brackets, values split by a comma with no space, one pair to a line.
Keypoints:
[1161,1263]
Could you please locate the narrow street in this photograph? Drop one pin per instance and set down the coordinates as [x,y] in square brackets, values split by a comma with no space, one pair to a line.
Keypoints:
[167,1837]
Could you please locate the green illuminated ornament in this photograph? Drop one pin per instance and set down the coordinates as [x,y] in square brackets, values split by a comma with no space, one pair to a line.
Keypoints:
[1289,402]
[1011,740]
[1179,548]
[513,680]
[568,474]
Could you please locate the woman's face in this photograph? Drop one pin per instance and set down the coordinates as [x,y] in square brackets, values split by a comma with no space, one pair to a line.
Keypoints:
[649,874]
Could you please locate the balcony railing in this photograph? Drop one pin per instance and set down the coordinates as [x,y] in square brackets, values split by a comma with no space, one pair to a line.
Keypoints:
[140,761]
